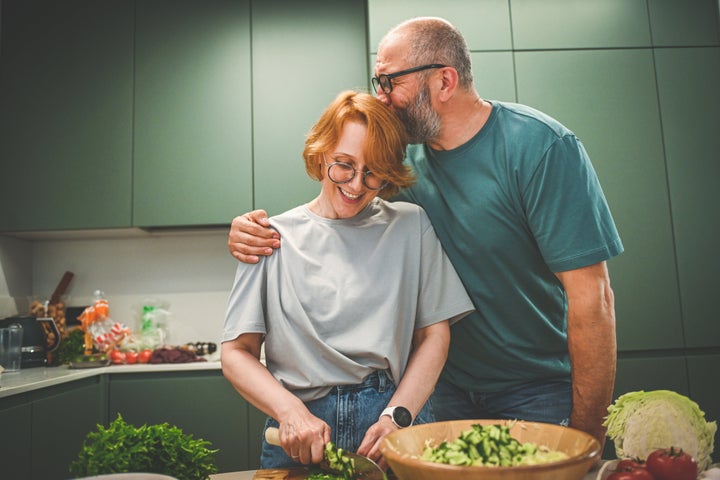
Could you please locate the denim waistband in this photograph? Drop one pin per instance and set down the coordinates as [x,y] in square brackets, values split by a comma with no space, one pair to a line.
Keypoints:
[378,380]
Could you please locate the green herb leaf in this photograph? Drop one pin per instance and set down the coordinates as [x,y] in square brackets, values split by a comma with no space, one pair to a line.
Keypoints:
[123,448]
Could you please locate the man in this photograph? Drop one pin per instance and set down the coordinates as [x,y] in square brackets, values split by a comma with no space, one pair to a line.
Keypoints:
[518,208]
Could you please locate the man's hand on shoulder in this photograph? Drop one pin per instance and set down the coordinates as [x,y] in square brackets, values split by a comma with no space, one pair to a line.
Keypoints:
[250,237]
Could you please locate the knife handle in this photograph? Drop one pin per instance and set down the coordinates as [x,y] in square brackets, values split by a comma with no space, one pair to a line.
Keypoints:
[272,436]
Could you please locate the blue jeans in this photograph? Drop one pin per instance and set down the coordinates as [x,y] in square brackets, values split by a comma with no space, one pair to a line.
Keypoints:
[548,402]
[349,410]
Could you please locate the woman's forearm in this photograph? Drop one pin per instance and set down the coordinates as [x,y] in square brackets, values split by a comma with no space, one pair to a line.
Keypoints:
[256,384]
[430,349]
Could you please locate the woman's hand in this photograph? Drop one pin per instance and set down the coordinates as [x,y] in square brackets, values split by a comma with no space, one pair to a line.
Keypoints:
[370,446]
[250,237]
[303,437]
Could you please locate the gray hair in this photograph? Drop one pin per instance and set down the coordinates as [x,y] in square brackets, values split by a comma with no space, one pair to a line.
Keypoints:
[435,40]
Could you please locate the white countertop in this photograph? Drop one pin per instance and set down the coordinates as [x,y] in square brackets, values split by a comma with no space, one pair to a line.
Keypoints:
[25,380]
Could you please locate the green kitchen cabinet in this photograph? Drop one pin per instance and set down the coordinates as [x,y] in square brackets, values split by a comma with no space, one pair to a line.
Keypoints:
[43,430]
[563,24]
[494,75]
[193,133]
[62,416]
[66,81]
[201,403]
[705,389]
[165,113]
[256,427]
[304,54]
[225,93]
[662,372]
[688,80]
[485,24]
[16,437]
[688,23]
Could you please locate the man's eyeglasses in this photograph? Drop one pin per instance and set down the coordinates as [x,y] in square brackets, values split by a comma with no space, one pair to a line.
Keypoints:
[341,172]
[384,81]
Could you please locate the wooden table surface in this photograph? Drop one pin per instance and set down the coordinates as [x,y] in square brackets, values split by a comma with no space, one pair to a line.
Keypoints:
[269,474]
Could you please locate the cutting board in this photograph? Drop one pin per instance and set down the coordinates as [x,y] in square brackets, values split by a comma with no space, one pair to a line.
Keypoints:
[282,474]
[297,473]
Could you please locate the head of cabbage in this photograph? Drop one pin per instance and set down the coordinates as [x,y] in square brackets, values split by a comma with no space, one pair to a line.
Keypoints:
[641,422]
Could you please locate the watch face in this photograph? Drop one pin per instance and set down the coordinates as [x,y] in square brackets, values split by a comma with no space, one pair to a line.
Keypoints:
[402,417]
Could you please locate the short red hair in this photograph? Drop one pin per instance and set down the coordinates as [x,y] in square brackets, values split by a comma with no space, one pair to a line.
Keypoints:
[385,145]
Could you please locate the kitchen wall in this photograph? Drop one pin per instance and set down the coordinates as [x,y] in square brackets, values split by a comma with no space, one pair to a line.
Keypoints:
[191,272]
[15,274]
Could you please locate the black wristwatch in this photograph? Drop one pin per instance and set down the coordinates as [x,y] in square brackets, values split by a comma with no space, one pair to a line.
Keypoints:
[400,416]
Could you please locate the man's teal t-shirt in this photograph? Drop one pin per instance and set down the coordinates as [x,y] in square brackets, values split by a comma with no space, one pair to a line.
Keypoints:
[516,203]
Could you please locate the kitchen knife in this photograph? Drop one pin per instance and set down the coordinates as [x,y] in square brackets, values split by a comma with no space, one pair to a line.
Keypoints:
[365,468]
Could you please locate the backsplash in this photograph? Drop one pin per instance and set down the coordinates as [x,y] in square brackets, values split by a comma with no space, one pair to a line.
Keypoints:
[190,271]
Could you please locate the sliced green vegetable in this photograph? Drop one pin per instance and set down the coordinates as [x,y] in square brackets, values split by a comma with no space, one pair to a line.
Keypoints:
[337,461]
[490,446]
[325,476]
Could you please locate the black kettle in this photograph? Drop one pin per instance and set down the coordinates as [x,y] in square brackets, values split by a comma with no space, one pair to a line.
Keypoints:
[35,346]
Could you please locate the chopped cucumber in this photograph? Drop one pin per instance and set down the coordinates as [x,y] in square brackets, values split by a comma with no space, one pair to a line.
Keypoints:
[489,446]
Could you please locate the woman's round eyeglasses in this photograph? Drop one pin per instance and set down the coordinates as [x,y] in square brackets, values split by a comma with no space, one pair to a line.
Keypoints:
[384,81]
[341,172]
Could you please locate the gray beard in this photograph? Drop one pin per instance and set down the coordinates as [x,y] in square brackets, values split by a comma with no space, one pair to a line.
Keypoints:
[421,121]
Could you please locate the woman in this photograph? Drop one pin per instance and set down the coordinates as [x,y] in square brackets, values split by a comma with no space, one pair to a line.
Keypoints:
[354,310]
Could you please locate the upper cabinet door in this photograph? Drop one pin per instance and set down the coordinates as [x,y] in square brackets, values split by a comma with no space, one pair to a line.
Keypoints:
[304,54]
[688,80]
[66,115]
[166,113]
[193,132]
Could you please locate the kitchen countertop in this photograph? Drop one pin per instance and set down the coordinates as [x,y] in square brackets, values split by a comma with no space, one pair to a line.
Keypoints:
[249,475]
[26,380]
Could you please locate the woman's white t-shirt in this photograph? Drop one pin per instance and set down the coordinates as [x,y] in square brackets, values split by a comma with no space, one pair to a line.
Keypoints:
[342,297]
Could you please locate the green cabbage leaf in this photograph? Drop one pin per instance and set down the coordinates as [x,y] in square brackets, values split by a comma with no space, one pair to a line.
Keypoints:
[641,422]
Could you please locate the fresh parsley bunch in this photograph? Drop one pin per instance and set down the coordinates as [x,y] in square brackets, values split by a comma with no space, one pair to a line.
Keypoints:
[123,448]
[71,346]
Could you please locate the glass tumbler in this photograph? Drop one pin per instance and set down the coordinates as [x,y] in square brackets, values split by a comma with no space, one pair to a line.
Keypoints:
[11,348]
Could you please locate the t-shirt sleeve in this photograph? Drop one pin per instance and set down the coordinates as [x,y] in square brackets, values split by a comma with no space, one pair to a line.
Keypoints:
[442,294]
[245,311]
[567,210]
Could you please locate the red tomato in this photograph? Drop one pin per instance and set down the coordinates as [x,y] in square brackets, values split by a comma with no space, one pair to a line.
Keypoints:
[672,464]
[627,464]
[117,357]
[144,355]
[639,473]
[131,357]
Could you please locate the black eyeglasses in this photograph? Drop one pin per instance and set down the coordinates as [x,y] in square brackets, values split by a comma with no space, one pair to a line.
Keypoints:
[385,80]
[341,172]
